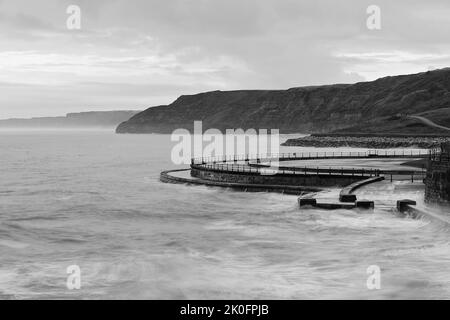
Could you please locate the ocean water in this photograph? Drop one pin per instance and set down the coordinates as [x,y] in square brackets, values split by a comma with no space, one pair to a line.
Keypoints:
[93,199]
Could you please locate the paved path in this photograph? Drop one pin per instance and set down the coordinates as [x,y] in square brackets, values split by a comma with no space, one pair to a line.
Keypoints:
[429,122]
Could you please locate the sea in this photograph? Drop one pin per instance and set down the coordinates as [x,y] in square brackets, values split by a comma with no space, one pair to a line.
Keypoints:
[83,215]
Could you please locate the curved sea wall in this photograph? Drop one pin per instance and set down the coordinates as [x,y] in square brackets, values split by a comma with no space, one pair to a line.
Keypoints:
[169,177]
[315,180]
[346,194]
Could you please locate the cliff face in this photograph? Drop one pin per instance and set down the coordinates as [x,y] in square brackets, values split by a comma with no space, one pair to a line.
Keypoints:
[357,107]
[93,119]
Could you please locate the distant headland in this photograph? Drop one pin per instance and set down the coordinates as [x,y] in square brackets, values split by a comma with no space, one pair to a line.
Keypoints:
[91,119]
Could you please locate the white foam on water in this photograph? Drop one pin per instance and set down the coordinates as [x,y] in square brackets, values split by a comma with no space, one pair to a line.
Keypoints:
[102,207]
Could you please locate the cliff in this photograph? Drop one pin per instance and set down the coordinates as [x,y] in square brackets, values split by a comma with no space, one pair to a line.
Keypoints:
[378,106]
[93,119]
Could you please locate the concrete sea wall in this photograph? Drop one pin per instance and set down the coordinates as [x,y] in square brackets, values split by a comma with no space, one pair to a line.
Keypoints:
[437,181]
[169,177]
[316,180]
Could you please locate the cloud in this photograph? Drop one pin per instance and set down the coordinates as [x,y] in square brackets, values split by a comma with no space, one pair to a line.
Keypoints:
[146,52]
[372,65]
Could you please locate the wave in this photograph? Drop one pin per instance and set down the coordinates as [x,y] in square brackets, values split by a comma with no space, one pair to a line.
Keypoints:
[13,244]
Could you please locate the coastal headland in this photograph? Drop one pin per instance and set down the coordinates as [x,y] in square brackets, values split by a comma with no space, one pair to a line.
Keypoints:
[383,106]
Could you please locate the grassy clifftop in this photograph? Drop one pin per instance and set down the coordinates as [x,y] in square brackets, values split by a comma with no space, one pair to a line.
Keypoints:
[379,106]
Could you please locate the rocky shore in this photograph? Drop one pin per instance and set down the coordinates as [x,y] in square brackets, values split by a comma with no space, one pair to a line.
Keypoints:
[374,142]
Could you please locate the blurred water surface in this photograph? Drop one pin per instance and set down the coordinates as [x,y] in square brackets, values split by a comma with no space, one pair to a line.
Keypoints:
[93,199]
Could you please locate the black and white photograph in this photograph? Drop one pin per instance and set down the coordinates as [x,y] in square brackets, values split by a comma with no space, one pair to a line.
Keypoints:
[224,150]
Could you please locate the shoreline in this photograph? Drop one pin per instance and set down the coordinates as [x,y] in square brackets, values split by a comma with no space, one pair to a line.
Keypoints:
[367,141]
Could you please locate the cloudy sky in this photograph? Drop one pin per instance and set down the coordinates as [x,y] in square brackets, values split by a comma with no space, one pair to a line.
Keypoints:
[132,54]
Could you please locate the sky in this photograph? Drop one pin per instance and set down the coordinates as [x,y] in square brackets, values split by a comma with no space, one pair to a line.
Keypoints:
[134,54]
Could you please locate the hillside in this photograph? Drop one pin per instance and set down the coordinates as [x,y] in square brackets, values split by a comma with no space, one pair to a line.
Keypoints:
[93,119]
[378,106]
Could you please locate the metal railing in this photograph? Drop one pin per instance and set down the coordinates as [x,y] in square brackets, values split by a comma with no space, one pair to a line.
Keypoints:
[238,168]
[437,156]
[229,164]
[343,170]
[308,171]
[314,155]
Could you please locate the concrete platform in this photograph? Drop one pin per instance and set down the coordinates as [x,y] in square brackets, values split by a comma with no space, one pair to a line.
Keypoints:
[365,204]
[335,205]
[405,205]
[327,204]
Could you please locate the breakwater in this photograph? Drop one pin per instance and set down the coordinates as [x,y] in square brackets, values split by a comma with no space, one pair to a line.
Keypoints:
[259,172]
[375,142]
[291,179]
[171,176]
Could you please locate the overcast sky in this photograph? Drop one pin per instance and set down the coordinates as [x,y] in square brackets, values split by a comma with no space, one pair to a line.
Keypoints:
[132,54]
